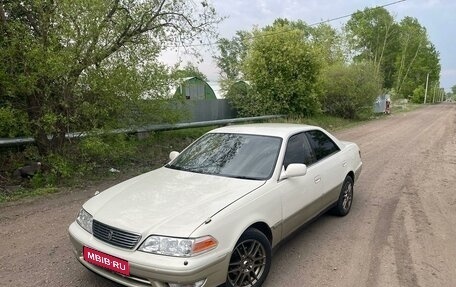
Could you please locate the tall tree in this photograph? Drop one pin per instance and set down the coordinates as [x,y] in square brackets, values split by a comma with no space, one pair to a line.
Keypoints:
[372,34]
[426,62]
[417,57]
[61,59]
[328,43]
[232,55]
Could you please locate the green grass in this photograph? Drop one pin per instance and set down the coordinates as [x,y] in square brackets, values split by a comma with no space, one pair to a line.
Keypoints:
[401,108]
[26,192]
[327,122]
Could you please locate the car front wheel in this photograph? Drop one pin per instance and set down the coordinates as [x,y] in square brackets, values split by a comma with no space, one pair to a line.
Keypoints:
[250,260]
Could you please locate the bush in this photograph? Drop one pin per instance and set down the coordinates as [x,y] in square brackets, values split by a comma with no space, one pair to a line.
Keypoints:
[418,95]
[244,99]
[350,91]
[107,149]
[283,68]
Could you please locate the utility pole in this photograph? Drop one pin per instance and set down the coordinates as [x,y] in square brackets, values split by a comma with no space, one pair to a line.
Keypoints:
[425,93]
[434,91]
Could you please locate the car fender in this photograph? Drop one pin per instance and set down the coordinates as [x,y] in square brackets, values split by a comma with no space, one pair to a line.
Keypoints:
[227,226]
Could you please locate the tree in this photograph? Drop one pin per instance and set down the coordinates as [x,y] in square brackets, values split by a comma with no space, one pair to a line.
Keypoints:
[283,69]
[373,34]
[350,90]
[418,94]
[232,55]
[328,43]
[189,70]
[244,98]
[325,40]
[451,95]
[417,58]
[63,61]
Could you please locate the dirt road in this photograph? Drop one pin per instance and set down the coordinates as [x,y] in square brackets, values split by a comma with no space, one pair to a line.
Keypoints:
[401,230]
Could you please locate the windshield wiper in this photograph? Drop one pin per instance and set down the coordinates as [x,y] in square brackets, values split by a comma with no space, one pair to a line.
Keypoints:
[175,167]
[243,177]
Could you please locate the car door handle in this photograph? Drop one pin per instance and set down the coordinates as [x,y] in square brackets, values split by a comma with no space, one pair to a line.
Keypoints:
[317,179]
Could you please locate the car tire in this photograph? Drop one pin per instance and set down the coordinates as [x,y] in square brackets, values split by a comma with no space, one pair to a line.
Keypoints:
[345,200]
[250,260]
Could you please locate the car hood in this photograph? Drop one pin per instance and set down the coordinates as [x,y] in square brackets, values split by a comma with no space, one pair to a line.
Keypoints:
[166,201]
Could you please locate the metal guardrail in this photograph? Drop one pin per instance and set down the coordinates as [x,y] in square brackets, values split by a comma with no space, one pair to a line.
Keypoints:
[4,142]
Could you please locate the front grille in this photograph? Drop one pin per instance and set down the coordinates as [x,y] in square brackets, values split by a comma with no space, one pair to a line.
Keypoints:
[115,236]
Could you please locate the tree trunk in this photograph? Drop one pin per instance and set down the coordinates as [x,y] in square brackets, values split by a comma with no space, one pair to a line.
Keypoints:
[34,111]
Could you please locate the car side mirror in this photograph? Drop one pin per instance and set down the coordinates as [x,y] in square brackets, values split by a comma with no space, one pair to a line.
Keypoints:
[293,170]
[173,155]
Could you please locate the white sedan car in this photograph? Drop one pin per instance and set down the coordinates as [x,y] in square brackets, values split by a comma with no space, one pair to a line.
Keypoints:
[212,215]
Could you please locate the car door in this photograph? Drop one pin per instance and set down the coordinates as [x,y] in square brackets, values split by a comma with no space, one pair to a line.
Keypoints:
[300,195]
[330,164]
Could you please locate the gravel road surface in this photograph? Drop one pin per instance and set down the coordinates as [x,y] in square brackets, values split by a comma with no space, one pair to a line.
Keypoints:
[401,230]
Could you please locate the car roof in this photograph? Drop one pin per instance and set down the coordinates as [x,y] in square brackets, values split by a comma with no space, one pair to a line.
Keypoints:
[282,130]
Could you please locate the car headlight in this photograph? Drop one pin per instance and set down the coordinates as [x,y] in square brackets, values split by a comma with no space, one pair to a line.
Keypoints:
[180,247]
[85,220]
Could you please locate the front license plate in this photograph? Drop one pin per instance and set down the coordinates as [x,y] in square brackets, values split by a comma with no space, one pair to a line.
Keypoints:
[106,261]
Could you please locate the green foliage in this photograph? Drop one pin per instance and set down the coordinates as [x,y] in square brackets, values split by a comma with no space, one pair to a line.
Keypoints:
[325,40]
[241,95]
[417,57]
[189,70]
[60,167]
[283,70]
[451,96]
[418,95]
[281,62]
[328,44]
[402,52]
[350,91]
[13,123]
[232,55]
[108,149]
[372,35]
[24,192]
[328,122]
[78,65]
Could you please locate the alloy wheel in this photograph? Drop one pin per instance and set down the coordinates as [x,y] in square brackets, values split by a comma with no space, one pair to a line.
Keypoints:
[247,263]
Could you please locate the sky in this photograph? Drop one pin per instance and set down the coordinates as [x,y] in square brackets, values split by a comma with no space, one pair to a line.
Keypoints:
[437,16]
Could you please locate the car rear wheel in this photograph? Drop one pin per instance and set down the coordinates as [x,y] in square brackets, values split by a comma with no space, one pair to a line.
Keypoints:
[250,260]
[345,198]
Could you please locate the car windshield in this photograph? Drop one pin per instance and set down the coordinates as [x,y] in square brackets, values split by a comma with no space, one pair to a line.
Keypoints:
[231,155]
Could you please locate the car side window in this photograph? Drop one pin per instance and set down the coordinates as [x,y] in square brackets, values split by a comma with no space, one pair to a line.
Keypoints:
[321,144]
[298,151]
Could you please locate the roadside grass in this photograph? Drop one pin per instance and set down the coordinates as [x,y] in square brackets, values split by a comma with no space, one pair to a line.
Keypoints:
[329,123]
[23,192]
[90,161]
[401,108]
[97,159]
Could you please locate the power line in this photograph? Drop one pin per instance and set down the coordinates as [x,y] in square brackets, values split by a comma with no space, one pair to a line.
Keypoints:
[274,33]
[349,15]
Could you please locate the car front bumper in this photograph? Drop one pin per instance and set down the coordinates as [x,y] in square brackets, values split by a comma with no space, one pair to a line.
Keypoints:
[150,269]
